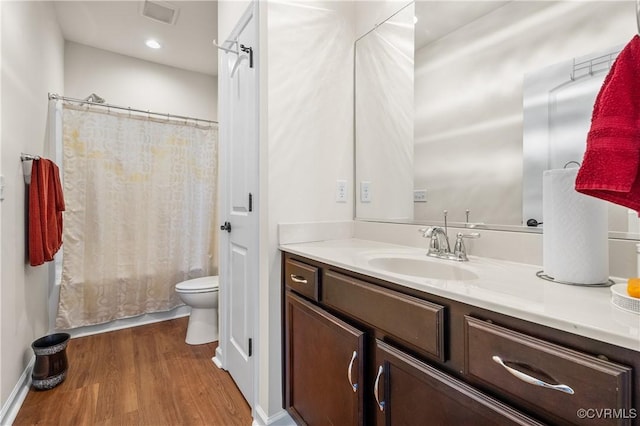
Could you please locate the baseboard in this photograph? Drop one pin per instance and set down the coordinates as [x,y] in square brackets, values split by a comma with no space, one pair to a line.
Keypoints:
[218,358]
[281,418]
[16,398]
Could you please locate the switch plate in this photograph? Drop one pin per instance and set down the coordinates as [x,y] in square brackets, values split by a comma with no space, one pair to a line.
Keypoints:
[365,191]
[341,191]
[419,195]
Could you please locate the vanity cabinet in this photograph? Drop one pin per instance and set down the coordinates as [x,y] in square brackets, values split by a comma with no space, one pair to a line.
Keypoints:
[360,350]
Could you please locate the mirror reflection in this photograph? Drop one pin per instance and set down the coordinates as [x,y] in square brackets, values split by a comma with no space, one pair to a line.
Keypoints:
[461,105]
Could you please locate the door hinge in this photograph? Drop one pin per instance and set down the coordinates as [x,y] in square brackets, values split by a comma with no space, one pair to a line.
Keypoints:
[250,347]
[250,202]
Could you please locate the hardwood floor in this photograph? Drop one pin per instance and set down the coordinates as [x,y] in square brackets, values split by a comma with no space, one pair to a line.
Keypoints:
[144,375]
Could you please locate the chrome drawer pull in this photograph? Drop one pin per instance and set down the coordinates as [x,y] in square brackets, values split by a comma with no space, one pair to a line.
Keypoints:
[532,380]
[375,389]
[298,279]
[353,357]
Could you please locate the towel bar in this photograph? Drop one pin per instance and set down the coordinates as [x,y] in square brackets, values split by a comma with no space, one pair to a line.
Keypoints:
[28,157]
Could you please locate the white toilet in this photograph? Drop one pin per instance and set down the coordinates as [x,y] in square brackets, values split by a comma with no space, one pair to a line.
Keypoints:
[202,295]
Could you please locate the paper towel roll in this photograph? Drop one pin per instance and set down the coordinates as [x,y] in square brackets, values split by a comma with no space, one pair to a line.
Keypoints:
[550,261]
[575,231]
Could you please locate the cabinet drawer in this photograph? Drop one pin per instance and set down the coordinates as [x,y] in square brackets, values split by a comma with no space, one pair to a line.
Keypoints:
[412,322]
[521,367]
[301,278]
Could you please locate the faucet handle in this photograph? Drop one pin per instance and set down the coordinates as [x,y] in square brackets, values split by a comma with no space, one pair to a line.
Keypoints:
[459,249]
[460,236]
[473,235]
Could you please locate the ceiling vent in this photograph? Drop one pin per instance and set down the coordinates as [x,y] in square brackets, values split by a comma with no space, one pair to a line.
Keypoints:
[160,11]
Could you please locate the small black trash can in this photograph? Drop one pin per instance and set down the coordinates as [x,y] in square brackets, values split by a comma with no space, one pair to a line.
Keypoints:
[50,368]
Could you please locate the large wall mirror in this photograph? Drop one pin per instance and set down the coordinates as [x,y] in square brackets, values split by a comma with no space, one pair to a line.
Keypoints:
[460,106]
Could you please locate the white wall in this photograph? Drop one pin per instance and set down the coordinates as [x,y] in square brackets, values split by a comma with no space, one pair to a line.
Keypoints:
[310,134]
[32,66]
[306,107]
[126,81]
[2,397]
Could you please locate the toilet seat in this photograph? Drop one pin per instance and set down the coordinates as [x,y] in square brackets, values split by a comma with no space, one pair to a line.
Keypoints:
[198,285]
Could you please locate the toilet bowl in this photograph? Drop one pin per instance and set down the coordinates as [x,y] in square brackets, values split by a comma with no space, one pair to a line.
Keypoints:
[201,294]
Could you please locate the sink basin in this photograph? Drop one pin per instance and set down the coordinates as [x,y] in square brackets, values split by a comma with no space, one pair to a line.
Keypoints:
[423,268]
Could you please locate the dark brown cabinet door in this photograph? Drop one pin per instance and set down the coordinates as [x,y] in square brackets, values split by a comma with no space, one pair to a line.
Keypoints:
[323,366]
[410,392]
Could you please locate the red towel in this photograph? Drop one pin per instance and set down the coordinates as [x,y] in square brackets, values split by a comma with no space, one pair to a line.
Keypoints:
[46,204]
[610,165]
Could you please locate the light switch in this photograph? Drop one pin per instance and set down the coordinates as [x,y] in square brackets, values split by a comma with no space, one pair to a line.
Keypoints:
[341,191]
[419,195]
[365,191]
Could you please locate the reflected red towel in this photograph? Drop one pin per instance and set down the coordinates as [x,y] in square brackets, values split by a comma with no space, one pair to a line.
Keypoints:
[610,165]
[46,204]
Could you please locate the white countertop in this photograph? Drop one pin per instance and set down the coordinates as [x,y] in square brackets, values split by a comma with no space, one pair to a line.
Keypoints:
[508,288]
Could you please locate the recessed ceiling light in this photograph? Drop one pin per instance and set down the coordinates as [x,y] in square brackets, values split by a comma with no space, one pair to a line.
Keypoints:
[153,44]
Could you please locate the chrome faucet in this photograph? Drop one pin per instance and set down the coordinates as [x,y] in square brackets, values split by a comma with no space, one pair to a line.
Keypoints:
[439,243]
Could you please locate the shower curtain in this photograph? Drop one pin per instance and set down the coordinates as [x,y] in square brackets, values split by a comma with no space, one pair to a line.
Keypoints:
[140,215]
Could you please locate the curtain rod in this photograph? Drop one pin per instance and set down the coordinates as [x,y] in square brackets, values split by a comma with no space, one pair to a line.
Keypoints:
[168,116]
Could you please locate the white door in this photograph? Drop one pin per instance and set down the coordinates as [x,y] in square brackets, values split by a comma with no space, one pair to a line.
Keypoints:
[239,193]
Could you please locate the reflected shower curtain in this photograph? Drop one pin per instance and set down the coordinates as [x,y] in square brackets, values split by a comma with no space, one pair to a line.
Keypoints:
[140,213]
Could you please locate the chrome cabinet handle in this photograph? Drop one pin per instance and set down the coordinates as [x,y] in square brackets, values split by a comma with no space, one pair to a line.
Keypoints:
[532,380]
[353,357]
[375,389]
[298,279]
